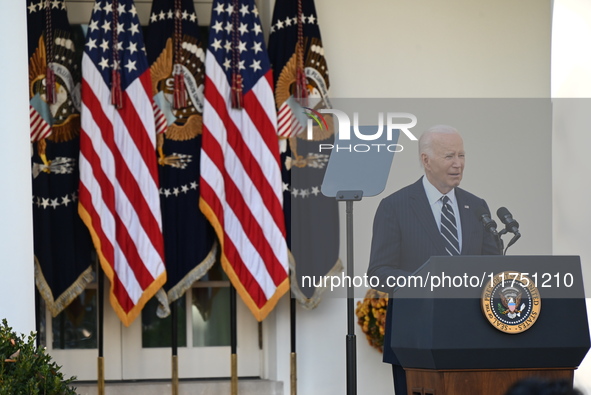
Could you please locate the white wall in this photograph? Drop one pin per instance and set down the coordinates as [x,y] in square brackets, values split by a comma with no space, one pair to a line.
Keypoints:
[16,227]
[456,48]
[571,90]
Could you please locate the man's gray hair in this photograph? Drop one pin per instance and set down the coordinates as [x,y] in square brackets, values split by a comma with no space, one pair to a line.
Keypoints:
[426,139]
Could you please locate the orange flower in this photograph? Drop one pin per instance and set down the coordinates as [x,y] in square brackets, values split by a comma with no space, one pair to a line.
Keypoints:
[371,314]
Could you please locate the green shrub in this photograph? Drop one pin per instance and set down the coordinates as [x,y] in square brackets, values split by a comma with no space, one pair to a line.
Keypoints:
[26,369]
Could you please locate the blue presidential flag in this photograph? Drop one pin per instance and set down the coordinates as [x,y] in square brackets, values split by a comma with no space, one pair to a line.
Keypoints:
[176,56]
[300,74]
[62,246]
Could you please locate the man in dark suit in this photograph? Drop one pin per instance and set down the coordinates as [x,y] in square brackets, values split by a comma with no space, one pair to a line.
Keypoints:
[431,217]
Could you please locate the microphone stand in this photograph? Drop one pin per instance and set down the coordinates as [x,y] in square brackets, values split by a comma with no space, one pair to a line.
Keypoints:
[500,243]
[516,237]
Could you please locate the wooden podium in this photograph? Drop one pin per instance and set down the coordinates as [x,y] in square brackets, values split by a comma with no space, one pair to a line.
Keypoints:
[481,382]
[447,345]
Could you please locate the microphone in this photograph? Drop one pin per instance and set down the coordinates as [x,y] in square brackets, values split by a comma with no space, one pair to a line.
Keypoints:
[487,221]
[510,224]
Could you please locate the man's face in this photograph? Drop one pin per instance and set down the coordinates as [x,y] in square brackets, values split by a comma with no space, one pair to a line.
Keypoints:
[444,166]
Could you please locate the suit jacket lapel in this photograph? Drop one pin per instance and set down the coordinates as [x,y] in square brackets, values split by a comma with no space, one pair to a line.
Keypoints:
[464,212]
[424,214]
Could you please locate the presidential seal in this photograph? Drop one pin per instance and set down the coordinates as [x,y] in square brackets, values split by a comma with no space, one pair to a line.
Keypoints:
[511,302]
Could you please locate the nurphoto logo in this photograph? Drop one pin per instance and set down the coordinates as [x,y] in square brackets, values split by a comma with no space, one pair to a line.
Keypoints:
[316,116]
[392,123]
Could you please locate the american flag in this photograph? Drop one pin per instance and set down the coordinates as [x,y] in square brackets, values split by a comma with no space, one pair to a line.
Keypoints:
[241,189]
[119,200]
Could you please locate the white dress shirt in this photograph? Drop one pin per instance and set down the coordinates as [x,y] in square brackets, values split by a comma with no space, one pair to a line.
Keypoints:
[434,198]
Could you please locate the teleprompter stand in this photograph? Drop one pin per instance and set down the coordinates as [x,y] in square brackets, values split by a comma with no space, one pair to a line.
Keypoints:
[353,173]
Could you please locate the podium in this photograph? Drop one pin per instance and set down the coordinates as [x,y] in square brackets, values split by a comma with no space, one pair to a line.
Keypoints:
[450,343]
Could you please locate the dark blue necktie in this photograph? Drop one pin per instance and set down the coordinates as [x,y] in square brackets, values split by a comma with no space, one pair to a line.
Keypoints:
[449,229]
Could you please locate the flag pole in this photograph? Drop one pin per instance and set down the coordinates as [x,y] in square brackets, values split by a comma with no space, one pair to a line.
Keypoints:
[293,355]
[38,315]
[175,361]
[100,327]
[233,341]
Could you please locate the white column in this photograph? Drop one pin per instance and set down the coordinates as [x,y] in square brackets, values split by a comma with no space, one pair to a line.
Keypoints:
[17,300]
[571,93]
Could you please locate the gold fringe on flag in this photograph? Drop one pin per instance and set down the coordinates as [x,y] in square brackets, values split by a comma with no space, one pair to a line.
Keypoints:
[199,271]
[312,302]
[56,306]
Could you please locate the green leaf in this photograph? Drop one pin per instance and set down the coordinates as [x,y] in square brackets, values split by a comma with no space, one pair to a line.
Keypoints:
[33,371]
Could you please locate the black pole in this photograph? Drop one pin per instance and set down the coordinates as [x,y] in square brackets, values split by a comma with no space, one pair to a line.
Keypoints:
[233,337]
[38,315]
[174,328]
[100,329]
[292,315]
[350,340]
[101,309]
[174,347]
[233,342]
[293,379]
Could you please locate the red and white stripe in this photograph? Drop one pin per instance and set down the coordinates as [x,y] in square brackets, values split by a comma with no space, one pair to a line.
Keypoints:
[241,188]
[159,118]
[119,198]
[40,129]
[287,123]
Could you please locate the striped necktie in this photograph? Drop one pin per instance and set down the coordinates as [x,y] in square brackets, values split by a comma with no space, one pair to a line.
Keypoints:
[449,230]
